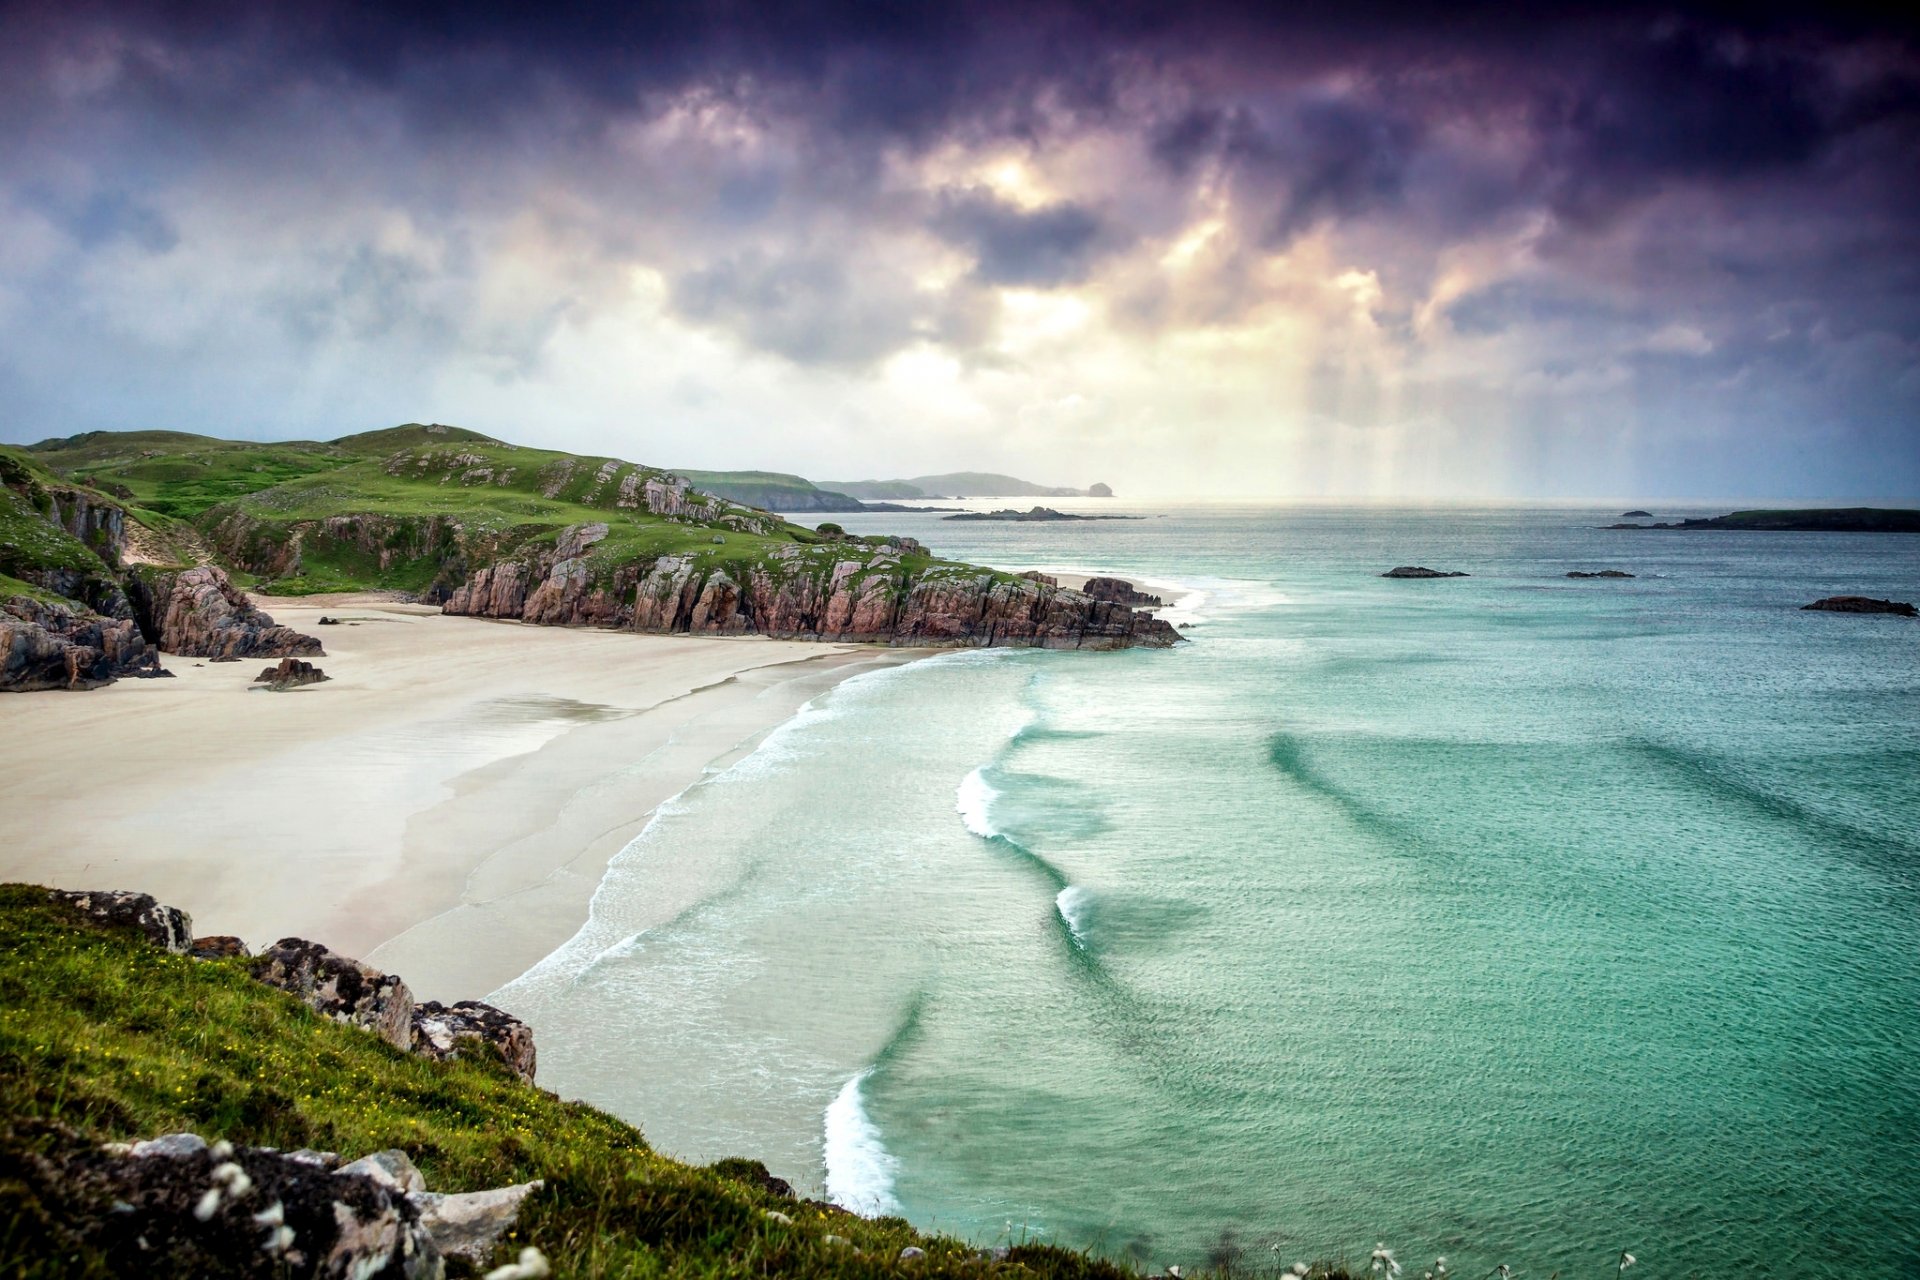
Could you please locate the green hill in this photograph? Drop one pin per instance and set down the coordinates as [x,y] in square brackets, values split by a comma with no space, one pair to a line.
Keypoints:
[951,484]
[771,490]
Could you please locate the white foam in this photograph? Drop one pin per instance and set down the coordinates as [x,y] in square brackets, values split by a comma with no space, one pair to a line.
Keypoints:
[1072,903]
[974,803]
[860,1170]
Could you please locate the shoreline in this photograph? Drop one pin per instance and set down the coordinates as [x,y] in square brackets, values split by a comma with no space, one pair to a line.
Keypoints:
[443,807]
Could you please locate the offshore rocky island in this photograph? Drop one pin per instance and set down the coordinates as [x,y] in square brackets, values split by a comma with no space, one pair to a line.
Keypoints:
[116,544]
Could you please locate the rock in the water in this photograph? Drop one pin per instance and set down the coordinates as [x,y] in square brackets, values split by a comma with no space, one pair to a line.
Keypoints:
[291,673]
[1099,491]
[438,1030]
[198,613]
[1419,571]
[469,1224]
[1120,591]
[165,926]
[1861,604]
[340,988]
[183,1209]
[393,1169]
[325,621]
[220,946]
[1636,515]
[1604,573]
[50,645]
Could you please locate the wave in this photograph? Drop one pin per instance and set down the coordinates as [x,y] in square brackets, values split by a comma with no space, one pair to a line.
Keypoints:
[1074,903]
[1287,753]
[974,803]
[860,1169]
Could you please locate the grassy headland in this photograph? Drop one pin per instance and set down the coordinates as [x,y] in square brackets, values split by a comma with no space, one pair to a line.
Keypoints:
[104,1037]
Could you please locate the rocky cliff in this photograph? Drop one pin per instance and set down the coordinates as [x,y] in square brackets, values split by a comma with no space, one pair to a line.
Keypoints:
[828,592]
[199,613]
[47,644]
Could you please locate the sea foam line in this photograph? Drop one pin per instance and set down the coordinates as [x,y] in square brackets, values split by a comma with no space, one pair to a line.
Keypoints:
[860,1169]
[974,803]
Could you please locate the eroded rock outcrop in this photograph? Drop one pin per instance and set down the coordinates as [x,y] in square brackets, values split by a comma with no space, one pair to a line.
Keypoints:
[441,1031]
[1862,604]
[178,1206]
[199,613]
[823,592]
[1120,591]
[50,645]
[166,927]
[340,988]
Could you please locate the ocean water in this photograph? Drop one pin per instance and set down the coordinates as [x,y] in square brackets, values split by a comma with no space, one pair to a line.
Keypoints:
[1511,918]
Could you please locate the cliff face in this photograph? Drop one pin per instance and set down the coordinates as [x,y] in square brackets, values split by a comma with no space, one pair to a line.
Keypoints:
[46,645]
[816,593]
[198,613]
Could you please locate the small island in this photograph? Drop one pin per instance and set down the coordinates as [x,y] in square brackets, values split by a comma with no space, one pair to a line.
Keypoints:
[1033,514]
[1861,604]
[1636,515]
[1421,571]
[1604,573]
[1811,520]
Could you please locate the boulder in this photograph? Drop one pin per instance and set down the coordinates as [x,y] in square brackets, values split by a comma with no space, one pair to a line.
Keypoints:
[177,1207]
[754,1174]
[199,613]
[291,673]
[1420,571]
[167,927]
[340,988]
[220,946]
[468,1224]
[1044,579]
[1861,604]
[438,1030]
[393,1169]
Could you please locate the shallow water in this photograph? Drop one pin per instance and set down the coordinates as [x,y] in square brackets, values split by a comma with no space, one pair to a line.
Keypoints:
[1511,918]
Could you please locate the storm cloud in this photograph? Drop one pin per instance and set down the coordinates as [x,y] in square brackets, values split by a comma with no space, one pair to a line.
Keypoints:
[1309,240]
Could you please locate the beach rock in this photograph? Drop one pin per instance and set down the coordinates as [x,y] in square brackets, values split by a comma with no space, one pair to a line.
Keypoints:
[1604,573]
[393,1169]
[221,946]
[51,645]
[438,1030]
[166,927]
[184,1209]
[340,988]
[1119,591]
[469,1224]
[1044,579]
[1861,604]
[291,673]
[1418,571]
[325,621]
[199,613]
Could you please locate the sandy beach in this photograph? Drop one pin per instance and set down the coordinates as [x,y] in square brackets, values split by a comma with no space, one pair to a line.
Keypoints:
[443,807]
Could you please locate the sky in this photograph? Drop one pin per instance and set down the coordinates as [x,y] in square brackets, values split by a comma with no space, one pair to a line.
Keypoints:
[1321,250]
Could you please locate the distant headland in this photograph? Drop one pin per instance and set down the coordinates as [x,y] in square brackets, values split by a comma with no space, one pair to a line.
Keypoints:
[1809,520]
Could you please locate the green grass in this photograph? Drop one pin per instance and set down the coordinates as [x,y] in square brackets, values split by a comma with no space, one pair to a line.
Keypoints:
[179,475]
[29,541]
[105,1036]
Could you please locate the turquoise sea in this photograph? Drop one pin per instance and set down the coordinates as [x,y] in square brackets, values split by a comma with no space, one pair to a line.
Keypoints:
[1509,918]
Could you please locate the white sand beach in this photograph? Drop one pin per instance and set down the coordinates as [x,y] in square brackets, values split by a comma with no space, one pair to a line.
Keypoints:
[443,807]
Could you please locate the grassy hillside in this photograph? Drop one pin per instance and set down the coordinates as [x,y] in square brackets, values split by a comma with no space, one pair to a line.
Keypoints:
[952,484]
[177,475]
[104,1037]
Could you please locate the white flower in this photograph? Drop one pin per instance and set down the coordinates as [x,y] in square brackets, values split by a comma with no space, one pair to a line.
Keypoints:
[1301,1268]
[221,1149]
[209,1204]
[532,1266]
[1626,1260]
[271,1216]
[1174,1272]
[279,1240]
